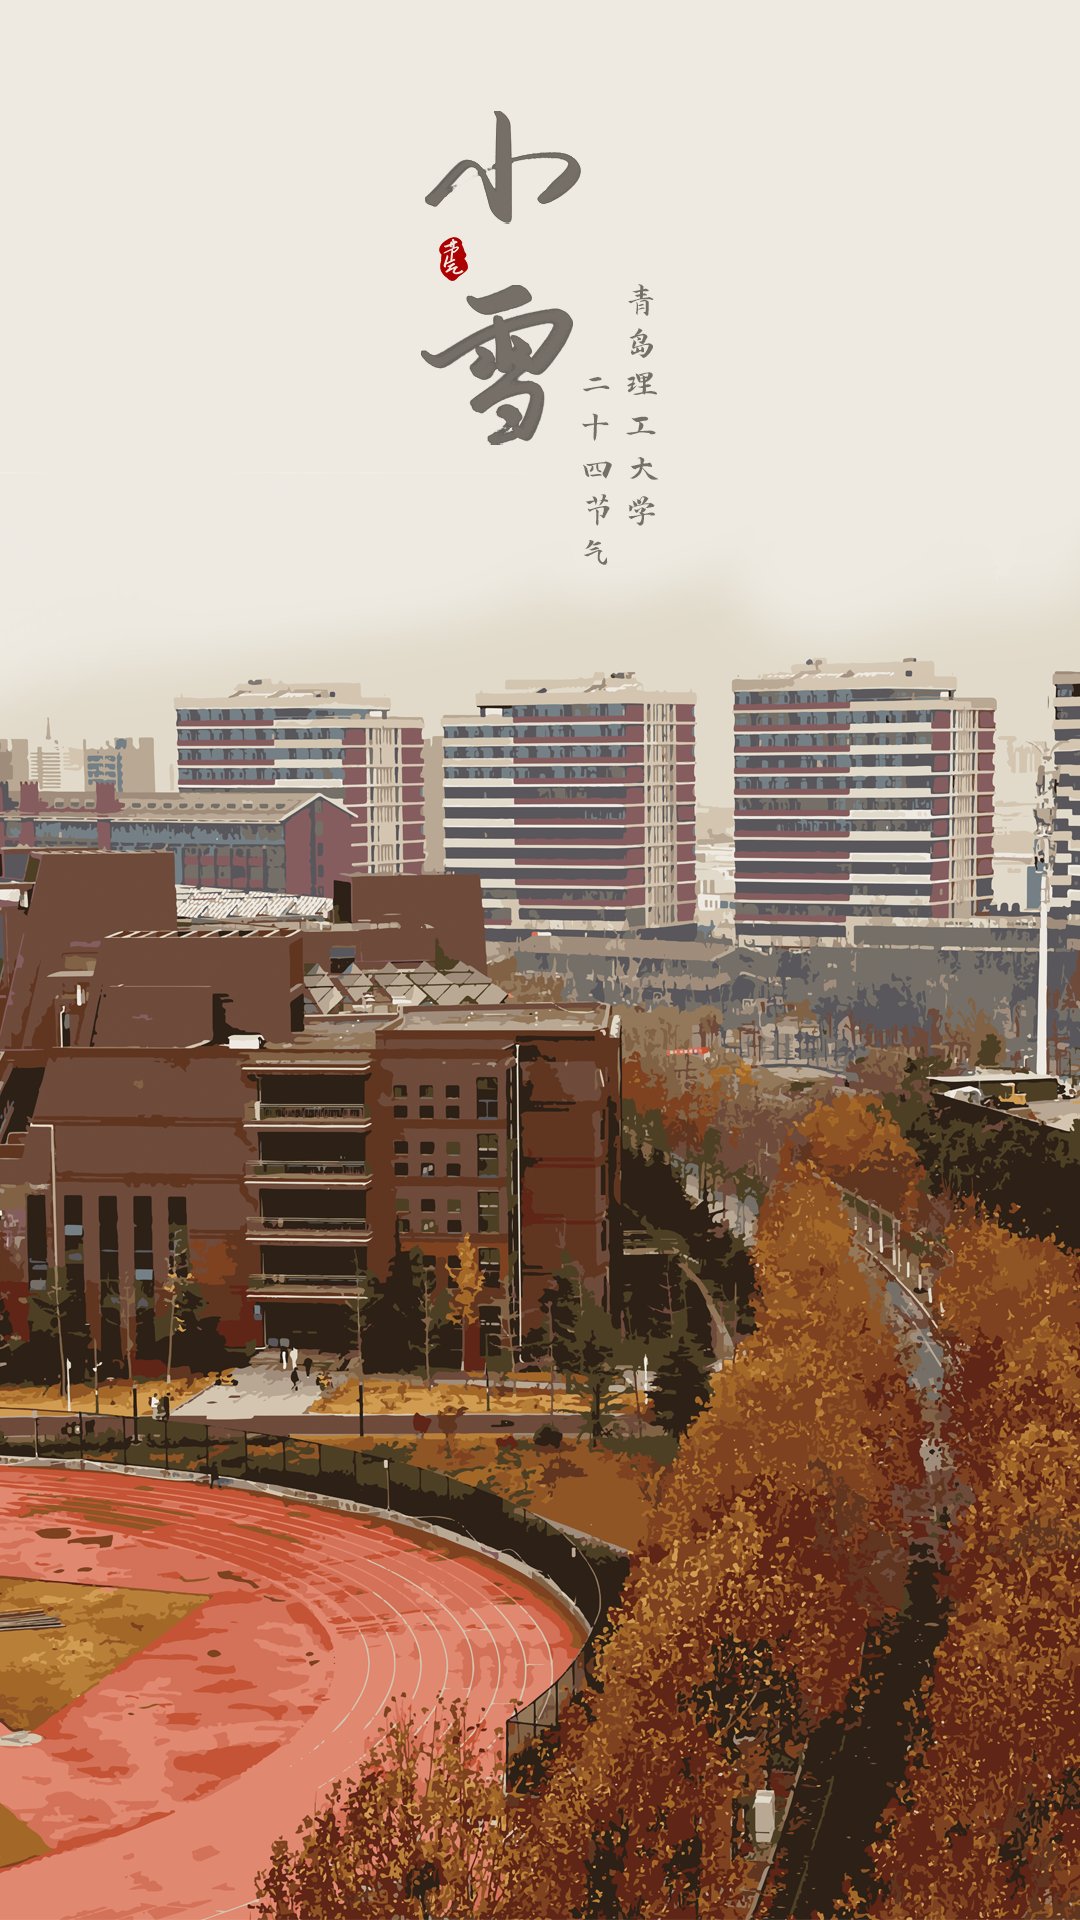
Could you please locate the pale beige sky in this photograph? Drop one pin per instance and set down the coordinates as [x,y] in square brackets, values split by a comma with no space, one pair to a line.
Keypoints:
[221,453]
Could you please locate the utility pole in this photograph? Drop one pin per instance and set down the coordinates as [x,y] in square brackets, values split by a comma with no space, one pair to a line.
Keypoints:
[1045,808]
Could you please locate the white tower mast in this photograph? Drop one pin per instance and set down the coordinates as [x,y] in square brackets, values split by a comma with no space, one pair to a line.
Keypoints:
[1045,809]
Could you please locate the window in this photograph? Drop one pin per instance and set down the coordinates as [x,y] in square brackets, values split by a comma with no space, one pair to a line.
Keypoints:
[37,1245]
[488,1258]
[143,1219]
[428,1223]
[453,1113]
[427,1146]
[401,1146]
[487,1154]
[453,1093]
[401,1093]
[401,1169]
[427,1112]
[487,1098]
[109,1269]
[453,1218]
[427,1093]
[453,1096]
[179,1262]
[427,1169]
[487,1212]
[401,1113]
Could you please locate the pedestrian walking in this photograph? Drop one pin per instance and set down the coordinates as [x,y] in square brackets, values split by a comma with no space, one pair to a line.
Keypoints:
[307,1365]
[295,1378]
[294,1356]
[284,1360]
[213,1476]
[154,1406]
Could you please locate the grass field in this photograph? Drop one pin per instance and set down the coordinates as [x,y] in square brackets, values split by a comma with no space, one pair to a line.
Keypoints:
[42,1669]
[608,1491]
[18,1841]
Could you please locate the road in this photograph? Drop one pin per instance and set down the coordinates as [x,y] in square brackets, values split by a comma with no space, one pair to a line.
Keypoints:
[852,1766]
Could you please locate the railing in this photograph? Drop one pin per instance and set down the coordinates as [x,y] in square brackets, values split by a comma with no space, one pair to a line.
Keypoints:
[261,1224]
[586,1572]
[351,1168]
[346,1283]
[260,1110]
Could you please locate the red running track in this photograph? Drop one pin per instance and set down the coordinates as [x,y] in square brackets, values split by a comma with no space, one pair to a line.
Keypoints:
[162,1789]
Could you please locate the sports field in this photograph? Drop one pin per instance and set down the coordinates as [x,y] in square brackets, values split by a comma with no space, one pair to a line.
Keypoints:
[223,1656]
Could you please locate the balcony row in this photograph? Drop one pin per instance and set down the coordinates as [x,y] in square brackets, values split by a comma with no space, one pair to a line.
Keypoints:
[336,1173]
[270,1230]
[262,1113]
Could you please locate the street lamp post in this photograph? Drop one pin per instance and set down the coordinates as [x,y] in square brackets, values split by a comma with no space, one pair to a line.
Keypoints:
[67,1382]
[361,1296]
[386,1470]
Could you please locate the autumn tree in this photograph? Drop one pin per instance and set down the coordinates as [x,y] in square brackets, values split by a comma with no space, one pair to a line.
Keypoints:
[424,1829]
[467,1285]
[856,1143]
[988,1820]
[782,1535]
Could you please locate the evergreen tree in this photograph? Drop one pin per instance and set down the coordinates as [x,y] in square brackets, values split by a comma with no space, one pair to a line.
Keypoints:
[682,1384]
[394,1333]
[595,1357]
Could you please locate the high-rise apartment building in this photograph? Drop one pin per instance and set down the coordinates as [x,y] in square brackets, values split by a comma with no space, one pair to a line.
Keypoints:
[574,802]
[328,739]
[127,765]
[860,791]
[1065,880]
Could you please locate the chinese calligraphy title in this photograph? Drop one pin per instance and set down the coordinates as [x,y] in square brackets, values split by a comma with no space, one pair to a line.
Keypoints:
[502,355]
[640,384]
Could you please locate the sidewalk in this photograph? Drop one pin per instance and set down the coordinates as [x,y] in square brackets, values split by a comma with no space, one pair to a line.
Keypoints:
[261,1388]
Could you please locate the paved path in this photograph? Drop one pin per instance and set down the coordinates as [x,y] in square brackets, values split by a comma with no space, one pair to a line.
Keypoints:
[161,1790]
[263,1387]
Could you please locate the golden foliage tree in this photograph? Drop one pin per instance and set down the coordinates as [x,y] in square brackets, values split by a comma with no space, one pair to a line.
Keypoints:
[988,1820]
[424,1829]
[780,1537]
[467,1285]
[856,1143]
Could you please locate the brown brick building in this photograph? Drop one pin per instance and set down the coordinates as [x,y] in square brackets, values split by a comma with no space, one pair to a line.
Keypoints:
[292,1104]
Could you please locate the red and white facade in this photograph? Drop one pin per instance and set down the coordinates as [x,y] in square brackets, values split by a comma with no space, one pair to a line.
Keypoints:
[860,791]
[328,740]
[574,802]
[384,792]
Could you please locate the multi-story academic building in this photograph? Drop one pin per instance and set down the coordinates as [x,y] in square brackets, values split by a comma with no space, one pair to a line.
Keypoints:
[860,791]
[278,842]
[574,803]
[293,1103]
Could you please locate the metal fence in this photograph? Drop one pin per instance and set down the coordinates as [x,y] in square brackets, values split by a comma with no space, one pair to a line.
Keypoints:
[588,1573]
